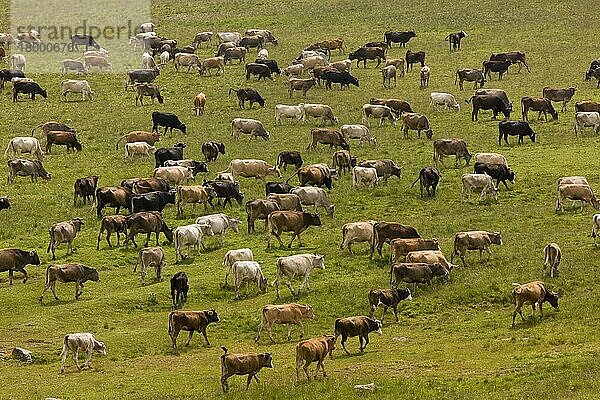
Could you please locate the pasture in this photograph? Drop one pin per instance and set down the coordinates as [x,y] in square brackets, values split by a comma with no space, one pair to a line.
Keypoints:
[453,340]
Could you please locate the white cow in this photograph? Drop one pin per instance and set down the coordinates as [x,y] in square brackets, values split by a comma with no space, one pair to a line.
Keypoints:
[295,70]
[443,99]
[343,65]
[595,226]
[353,232]
[258,169]
[96,53]
[248,126]
[586,120]
[75,86]
[358,131]
[96,61]
[220,224]
[297,265]
[175,175]
[189,235]
[285,111]
[263,54]
[150,257]
[164,58]
[73,65]
[147,27]
[480,182]
[223,37]
[573,192]
[388,73]
[310,195]
[236,255]
[225,176]
[76,342]
[248,271]
[26,144]
[491,158]
[364,175]
[140,148]
[148,61]
[377,111]
[17,61]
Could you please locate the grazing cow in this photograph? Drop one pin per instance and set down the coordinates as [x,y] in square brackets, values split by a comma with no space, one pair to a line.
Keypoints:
[385,168]
[141,76]
[140,148]
[147,222]
[259,209]
[235,255]
[249,42]
[401,247]
[367,53]
[377,111]
[388,73]
[357,131]
[60,138]
[415,272]
[110,224]
[21,145]
[194,194]
[76,342]
[285,314]
[16,260]
[469,75]
[211,63]
[513,128]
[235,53]
[147,185]
[6,75]
[446,147]
[532,293]
[387,298]
[295,70]
[311,350]
[248,126]
[85,188]
[191,321]
[225,189]
[319,111]
[552,256]
[153,201]
[219,225]
[290,221]
[425,74]
[87,40]
[168,120]
[501,67]
[263,54]
[413,58]
[175,175]
[356,326]
[266,35]
[475,240]
[189,235]
[385,232]
[277,187]
[285,111]
[443,99]
[243,364]
[260,70]
[364,175]
[258,169]
[63,232]
[343,78]
[454,39]
[542,105]
[314,61]
[344,161]
[21,167]
[30,88]
[248,271]
[148,257]
[223,37]
[480,182]
[327,136]
[112,197]
[140,136]
[490,158]
[148,61]
[202,37]
[314,196]
[587,105]
[53,126]
[186,60]
[196,166]
[489,102]
[303,85]
[398,37]
[212,149]
[498,173]
[151,90]
[430,257]
[557,94]
[356,232]
[581,192]
[416,122]
[73,65]
[343,65]
[586,120]
[313,174]
[429,178]
[297,265]
[171,153]
[247,94]
[289,157]
[221,48]
[5,203]
[179,289]
[66,273]
[514,57]
[96,61]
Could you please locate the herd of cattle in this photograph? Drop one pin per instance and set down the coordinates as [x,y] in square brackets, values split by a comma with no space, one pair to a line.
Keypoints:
[413,259]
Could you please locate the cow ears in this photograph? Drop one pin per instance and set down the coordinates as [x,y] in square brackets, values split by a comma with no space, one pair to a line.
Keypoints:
[32,253]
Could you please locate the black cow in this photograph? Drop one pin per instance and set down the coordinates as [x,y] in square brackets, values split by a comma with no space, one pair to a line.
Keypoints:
[498,172]
[7,74]
[171,153]
[179,289]
[87,40]
[488,102]
[141,76]
[356,326]
[514,128]
[247,94]
[343,78]
[260,70]
[225,190]
[30,88]
[85,188]
[455,38]
[278,188]
[212,149]
[428,179]
[289,157]
[501,67]
[272,64]
[367,53]
[168,120]
[413,58]
[398,37]
[383,45]
[5,203]
[153,201]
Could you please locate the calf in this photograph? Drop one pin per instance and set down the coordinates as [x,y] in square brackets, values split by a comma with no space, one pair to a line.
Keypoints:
[179,289]
[313,350]
[243,364]
[77,273]
[285,314]
[259,209]
[532,293]
[454,39]
[475,240]
[85,188]
[191,321]
[481,182]
[388,73]
[425,75]
[344,161]
[387,298]
[248,94]
[401,247]
[211,150]
[428,179]
[63,232]
[76,342]
[385,168]
[112,224]
[235,255]
[520,128]
[443,99]
[247,272]
[148,257]
[356,326]
[498,173]
[552,256]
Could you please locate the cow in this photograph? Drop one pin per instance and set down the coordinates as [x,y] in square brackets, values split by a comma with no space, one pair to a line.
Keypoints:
[581,192]
[469,75]
[186,60]
[430,257]
[260,70]
[357,131]
[243,364]
[211,63]
[148,257]
[168,120]
[311,350]
[73,65]
[259,209]
[356,326]
[6,75]
[593,73]
[586,119]
[66,273]
[513,128]
[225,189]
[194,194]
[490,158]
[302,85]
[387,298]
[251,41]
[446,147]
[196,166]
[258,169]
[277,187]
[76,342]
[97,53]
[266,35]
[319,111]
[112,197]
[247,94]
[384,232]
[30,88]
[235,53]
[179,289]
[140,148]
[112,224]
[401,247]
[343,78]
[5,203]
[21,145]
[367,53]
[248,126]
[313,61]
[153,201]
[343,65]
[191,321]
[286,158]
[290,221]
[21,167]
[454,39]
[63,232]
[235,255]
[151,90]
[413,58]
[148,61]
[385,168]
[364,175]
[398,37]
[147,185]
[12,260]
[17,62]
[141,76]
[415,272]
[60,138]
[171,153]
[286,314]
[314,175]
[87,40]
[425,75]
[294,70]
[532,293]
[285,111]
[559,94]
[327,136]
[377,111]
[189,235]
[314,196]
[552,256]
[542,105]
[428,178]
[175,175]
[223,37]
[501,67]
[286,202]
[297,265]
[498,173]
[344,161]
[480,182]
[443,99]
[247,272]
[475,240]
[96,61]
[489,102]
[353,232]
[416,122]
[219,224]
[147,222]
[139,136]
[221,48]
[263,55]
[587,105]
[211,150]
[388,73]
[514,57]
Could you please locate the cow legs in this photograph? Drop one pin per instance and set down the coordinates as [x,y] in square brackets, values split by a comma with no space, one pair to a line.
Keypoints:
[288,283]
[78,289]
[383,314]
[224,384]
[541,311]
[372,311]
[53,288]
[289,328]
[89,359]
[249,380]
[343,343]
[64,359]
[205,337]
[174,333]
[75,358]
[304,283]
[395,309]
[517,310]
[187,342]
[360,340]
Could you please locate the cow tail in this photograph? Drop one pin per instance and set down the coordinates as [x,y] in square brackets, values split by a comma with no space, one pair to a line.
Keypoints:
[337,326]
[417,180]
[277,279]
[293,175]
[118,141]
[470,98]
[33,130]
[10,145]
[65,346]
[278,159]
[50,231]
[171,315]
[47,275]
[546,255]
[456,77]
[374,238]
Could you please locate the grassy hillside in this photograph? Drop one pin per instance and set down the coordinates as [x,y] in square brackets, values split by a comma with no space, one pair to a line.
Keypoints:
[453,341]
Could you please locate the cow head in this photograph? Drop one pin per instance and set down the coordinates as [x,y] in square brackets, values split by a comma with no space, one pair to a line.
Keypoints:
[375,326]
[77,223]
[404,294]
[180,145]
[211,315]
[311,219]
[495,238]
[182,128]
[468,157]
[429,133]
[90,274]
[552,298]
[168,233]
[266,360]
[33,258]
[263,283]
[99,347]
[307,311]
[221,148]
[318,261]
[330,210]
[78,146]
[5,203]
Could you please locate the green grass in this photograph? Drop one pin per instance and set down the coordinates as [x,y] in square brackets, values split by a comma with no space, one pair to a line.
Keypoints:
[453,340]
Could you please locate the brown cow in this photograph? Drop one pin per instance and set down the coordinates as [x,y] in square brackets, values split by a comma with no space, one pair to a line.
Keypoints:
[552,256]
[356,326]
[53,126]
[259,209]
[290,221]
[310,174]
[112,224]
[387,298]
[22,167]
[385,168]
[147,89]
[532,293]
[327,136]
[211,150]
[539,104]
[194,194]
[16,260]
[77,273]
[559,94]
[475,240]
[147,222]
[190,321]
[446,147]
[243,364]
[311,350]
[199,104]
[61,138]
[396,105]
[85,188]
[303,85]
[285,314]
[140,136]
[286,202]
[416,122]
[148,185]
[343,161]
[401,247]
[587,106]
[112,197]
[384,232]
[430,257]
[415,272]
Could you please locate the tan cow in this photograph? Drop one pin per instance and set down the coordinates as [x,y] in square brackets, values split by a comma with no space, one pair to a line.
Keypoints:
[77,273]
[290,221]
[552,256]
[580,192]
[475,240]
[112,224]
[63,232]
[429,257]
[284,314]
[186,60]
[286,202]
[313,350]
[148,257]
[354,232]
[140,136]
[194,194]
[258,169]
[243,364]
[532,293]
[446,147]
[96,61]
[199,104]
[208,64]
[416,122]
[401,247]
[174,175]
